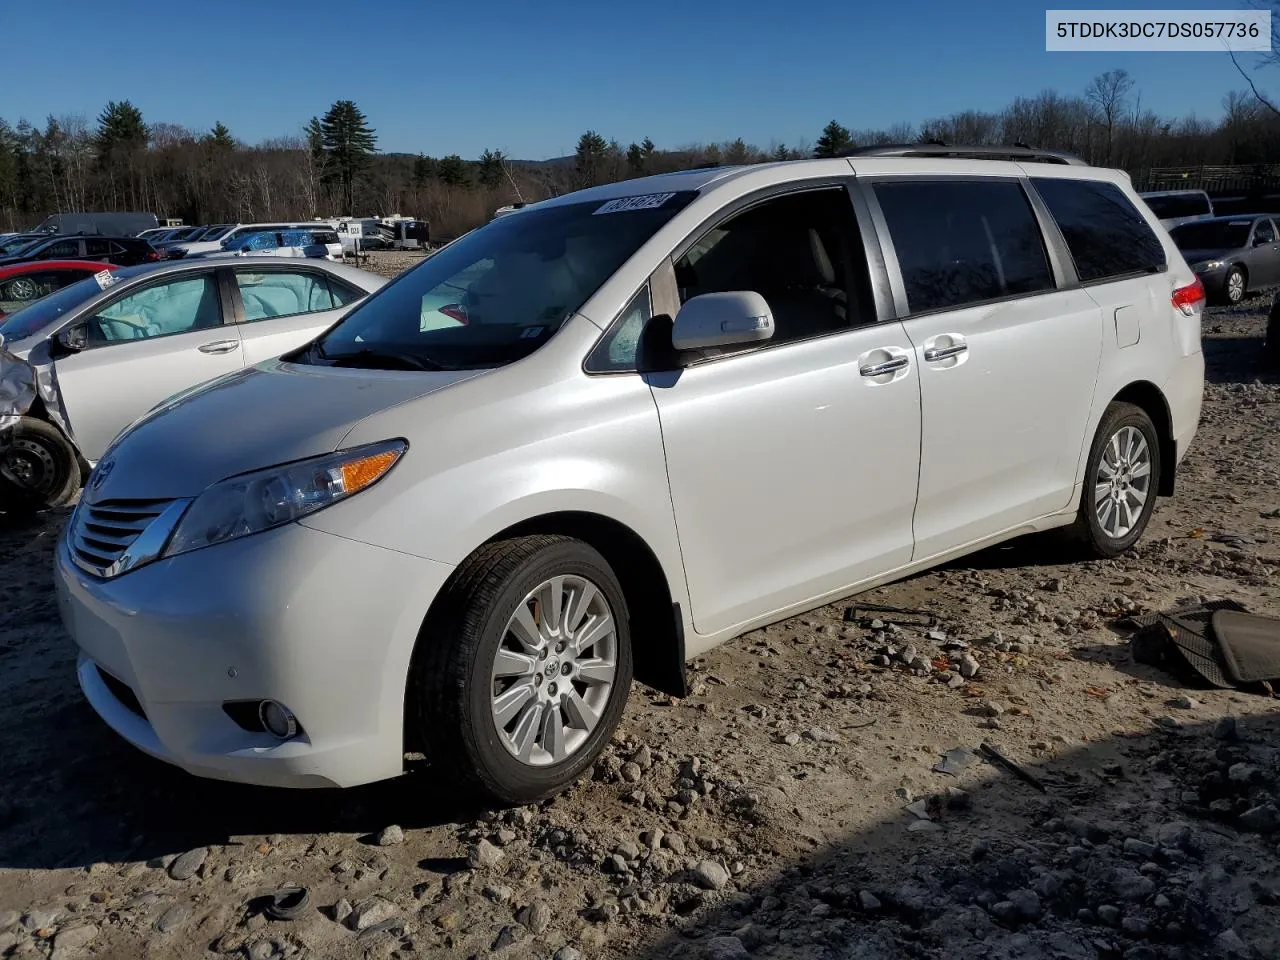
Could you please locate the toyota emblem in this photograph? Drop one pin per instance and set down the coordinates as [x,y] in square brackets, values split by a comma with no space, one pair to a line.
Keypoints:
[100,474]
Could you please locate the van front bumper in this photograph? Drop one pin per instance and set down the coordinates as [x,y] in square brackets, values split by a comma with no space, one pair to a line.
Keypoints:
[321,624]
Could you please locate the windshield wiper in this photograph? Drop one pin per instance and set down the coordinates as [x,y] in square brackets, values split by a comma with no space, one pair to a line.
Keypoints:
[372,358]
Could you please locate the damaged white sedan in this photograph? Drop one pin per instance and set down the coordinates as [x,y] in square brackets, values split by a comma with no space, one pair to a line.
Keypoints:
[81,364]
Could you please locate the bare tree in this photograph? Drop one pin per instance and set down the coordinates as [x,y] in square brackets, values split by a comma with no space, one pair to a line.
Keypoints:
[1108,94]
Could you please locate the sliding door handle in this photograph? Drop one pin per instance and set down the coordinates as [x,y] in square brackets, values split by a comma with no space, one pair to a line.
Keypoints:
[934,354]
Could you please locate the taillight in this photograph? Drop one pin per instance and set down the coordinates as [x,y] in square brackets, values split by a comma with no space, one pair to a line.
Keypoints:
[1190,298]
[454,311]
[153,255]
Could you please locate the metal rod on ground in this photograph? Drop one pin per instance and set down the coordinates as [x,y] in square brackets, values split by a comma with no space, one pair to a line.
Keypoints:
[991,753]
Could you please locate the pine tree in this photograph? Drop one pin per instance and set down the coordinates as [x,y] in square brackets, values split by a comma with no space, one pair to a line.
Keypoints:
[780,152]
[590,159]
[349,143]
[491,168]
[121,142]
[635,159]
[424,168]
[120,126]
[834,141]
[454,171]
[220,137]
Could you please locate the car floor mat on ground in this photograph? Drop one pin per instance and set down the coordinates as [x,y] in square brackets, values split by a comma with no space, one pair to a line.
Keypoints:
[1182,641]
[1250,645]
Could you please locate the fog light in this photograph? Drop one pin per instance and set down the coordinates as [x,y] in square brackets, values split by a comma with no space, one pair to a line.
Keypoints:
[277,719]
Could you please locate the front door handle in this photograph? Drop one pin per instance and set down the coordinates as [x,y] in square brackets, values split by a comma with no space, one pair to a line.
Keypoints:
[885,366]
[934,354]
[219,346]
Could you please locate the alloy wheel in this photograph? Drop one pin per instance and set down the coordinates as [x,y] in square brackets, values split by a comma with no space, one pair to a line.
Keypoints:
[553,672]
[1123,483]
[1235,286]
[22,289]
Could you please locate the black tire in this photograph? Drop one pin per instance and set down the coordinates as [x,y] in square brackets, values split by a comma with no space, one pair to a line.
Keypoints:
[1271,346]
[1239,293]
[1088,530]
[451,686]
[39,468]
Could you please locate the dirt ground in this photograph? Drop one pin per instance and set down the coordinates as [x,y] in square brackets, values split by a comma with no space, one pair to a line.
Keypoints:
[790,808]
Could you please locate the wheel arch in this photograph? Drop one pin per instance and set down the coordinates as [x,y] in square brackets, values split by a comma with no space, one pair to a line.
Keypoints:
[1148,397]
[657,620]
[40,411]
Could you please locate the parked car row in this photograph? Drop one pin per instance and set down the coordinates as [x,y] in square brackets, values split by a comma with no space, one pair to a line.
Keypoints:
[101,348]
[121,251]
[562,450]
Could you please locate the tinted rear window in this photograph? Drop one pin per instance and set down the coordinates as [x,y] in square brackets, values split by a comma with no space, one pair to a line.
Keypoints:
[1179,205]
[1212,234]
[960,242]
[1105,233]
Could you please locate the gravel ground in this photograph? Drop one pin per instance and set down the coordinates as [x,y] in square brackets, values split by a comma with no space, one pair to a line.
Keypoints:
[792,807]
[388,263]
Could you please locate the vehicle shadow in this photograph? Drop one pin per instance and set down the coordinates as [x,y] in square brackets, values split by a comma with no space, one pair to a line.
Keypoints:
[1139,847]
[1049,549]
[1236,359]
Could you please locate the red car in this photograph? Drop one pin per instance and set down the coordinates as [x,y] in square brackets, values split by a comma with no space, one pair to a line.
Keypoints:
[23,283]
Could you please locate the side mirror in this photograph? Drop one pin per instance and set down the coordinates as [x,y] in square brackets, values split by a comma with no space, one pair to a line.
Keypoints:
[722,320]
[74,338]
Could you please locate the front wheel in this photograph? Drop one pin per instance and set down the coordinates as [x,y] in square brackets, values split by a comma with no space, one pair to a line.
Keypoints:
[1120,483]
[22,289]
[38,468]
[1235,287]
[523,671]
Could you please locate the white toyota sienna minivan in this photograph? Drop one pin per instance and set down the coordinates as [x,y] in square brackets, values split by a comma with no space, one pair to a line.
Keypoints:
[608,431]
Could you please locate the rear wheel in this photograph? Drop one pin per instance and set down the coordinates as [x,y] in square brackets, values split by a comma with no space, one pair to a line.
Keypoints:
[1120,483]
[523,671]
[38,468]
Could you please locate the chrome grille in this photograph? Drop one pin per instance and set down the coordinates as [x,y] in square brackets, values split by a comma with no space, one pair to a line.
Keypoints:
[102,533]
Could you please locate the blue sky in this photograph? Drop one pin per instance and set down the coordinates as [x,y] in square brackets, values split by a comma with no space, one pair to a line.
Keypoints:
[529,77]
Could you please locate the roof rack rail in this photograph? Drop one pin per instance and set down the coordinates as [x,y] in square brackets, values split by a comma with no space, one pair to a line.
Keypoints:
[938,149]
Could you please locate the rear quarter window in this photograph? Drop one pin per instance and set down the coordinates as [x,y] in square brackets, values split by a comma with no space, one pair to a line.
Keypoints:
[1106,235]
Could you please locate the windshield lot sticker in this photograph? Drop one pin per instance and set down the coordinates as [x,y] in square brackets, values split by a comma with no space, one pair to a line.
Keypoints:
[530,333]
[104,278]
[645,202]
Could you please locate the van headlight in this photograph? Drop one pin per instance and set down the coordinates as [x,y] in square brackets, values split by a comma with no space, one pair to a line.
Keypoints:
[253,502]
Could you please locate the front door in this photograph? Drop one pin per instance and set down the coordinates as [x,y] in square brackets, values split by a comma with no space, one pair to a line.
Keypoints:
[1264,259]
[1007,362]
[142,349]
[792,463]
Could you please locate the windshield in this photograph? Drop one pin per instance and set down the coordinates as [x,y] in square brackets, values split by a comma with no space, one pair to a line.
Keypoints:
[16,245]
[214,233]
[1179,205]
[498,293]
[44,311]
[1212,234]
